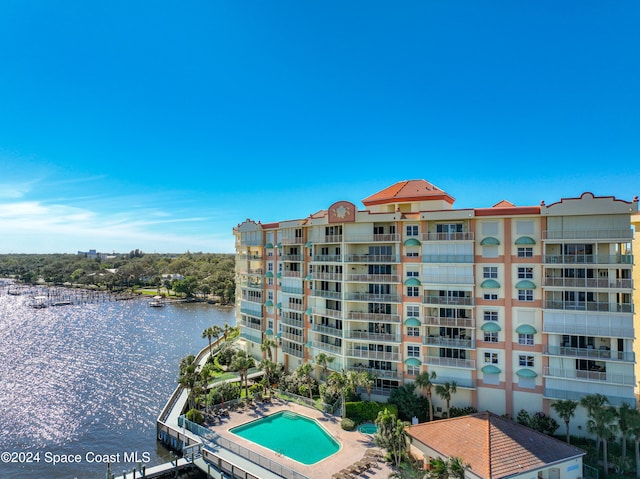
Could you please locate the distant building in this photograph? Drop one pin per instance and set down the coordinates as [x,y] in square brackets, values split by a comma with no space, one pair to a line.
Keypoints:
[172,277]
[521,306]
[93,254]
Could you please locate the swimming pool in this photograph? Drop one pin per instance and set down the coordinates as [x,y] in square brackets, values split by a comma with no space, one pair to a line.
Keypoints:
[368,428]
[292,435]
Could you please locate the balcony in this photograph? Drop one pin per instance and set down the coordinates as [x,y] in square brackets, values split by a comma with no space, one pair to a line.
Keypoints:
[464,383]
[292,274]
[374,317]
[249,257]
[252,312]
[372,354]
[292,240]
[291,257]
[319,328]
[588,259]
[463,236]
[446,342]
[292,306]
[613,326]
[372,258]
[592,283]
[289,321]
[588,306]
[326,276]
[326,258]
[250,335]
[378,373]
[250,285]
[373,238]
[248,324]
[321,293]
[327,239]
[452,300]
[447,258]
[376,337]
[373,297]
[258,271]
[448,279]
[450,322]
[331,348]
[296,338]
[292,290]
[619,234]
[292,351]
[591,353]
[329,313]
[603,376]
[374,278]
[451,362]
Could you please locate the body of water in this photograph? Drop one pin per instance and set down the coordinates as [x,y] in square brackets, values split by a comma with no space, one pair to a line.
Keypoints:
[83,384]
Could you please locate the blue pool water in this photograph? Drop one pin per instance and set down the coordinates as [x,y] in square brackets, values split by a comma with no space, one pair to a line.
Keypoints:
[368,428]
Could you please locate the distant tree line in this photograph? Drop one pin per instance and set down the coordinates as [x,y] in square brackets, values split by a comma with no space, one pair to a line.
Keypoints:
[196,274]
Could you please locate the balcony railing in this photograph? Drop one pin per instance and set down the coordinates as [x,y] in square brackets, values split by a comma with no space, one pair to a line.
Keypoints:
[374,278]
[608,234]
[296,323]
[450,322]
[372,258]
[258,271]
[588,306]
[326,239]
[292,351]
[595,375]
[252,312]
[463,236]
[591,328]
[327,258]
[373,238]
[327,347]
[250,325]
[321,293]
[589,283]
[292,274]
[601,354]
[448,279]
[373,297]
[375,317]
[249,285]
[249,335]
[446,342]
[292,240]
[291,257]
[453,300]
[292,290]
[319,328]
[249,257]
[378,373]
[327,276]
[329,313]
[588,259]
[296,338]
[451,362]
[447,258]
[252,299]
[377,337]
[371,354]
[465,383]
[293,306]
[553,393]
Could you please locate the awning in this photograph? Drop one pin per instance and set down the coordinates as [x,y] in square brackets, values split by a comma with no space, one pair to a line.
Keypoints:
[279,245]
[412,322]
[412,242]
[308,244]
[412,282]
[412,362]
[490,284]
[309,311]
[279,335]
[269,274]
[490,327]
[526,329]
[525,240]
[279,275]
[269,332]
[525,284]
[309,344]
[269,245]
[491,369]
[526,373]
[490,241]
[309,277]
[279,305]
[269,303]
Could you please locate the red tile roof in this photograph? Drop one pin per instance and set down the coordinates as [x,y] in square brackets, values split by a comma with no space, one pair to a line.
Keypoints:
[494,446]
[410,190]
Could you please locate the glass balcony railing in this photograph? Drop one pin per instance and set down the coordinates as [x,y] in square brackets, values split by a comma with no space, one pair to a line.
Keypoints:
[593,375]
[594,283]
[372,354]
[454,300]
[446,342]
[591,353]
[451,362]
[588,259]
[608,234]
[462,236]
[374,317]
[588,306]
[372,258]
[447,258]
[373,297]
[377,337]
[450,322]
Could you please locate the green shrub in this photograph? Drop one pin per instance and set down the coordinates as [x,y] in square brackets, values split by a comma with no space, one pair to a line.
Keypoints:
[194,415]
[461,411]
[363,411]
[348,424]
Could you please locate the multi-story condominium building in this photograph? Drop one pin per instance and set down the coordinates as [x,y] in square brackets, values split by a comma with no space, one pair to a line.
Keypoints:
[520,306]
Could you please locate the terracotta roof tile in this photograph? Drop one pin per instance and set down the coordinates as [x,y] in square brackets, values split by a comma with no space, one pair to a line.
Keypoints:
[503,204]
[494,446]
[409,190]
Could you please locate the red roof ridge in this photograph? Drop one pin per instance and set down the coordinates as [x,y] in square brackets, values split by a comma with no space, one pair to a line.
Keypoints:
[408,190]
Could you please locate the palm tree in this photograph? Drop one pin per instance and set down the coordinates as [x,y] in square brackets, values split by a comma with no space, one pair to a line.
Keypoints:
[457,467]
[241,362]
[343,383]
[410,470]
[439,469]
[267,344]
[634,429]
[210,333]
[305,370]
[624,426]
[366,380]
[188,376]
[268,367]
[391,435]
[592,402]
[323,360]
[601,423]
[424,380]
[445,391]
[226,330]
[566,409]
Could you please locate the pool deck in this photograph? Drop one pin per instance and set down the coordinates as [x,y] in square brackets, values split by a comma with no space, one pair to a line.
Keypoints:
[353,444]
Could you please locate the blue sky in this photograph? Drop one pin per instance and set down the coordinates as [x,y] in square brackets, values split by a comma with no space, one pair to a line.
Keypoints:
[162,125]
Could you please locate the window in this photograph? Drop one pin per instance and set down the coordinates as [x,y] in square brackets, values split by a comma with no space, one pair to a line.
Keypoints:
[491,337]
[491,358]
[490,315]
[525,273]
[525,295]
[412,230]
[525,252]
[413,351]
[490,228]
[524,227]
[269,266]
[270,295]
[490,272]
[412,254]
[527,383]
[525,339]
[413,291]
[488,378]
[413,331]
[526,361]
[490,296]
[413,311]
[489,251]
[413,274]
[269,281]
[413,370]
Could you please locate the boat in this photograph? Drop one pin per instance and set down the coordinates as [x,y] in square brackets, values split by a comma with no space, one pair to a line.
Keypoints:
[39,302]
[157,302]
